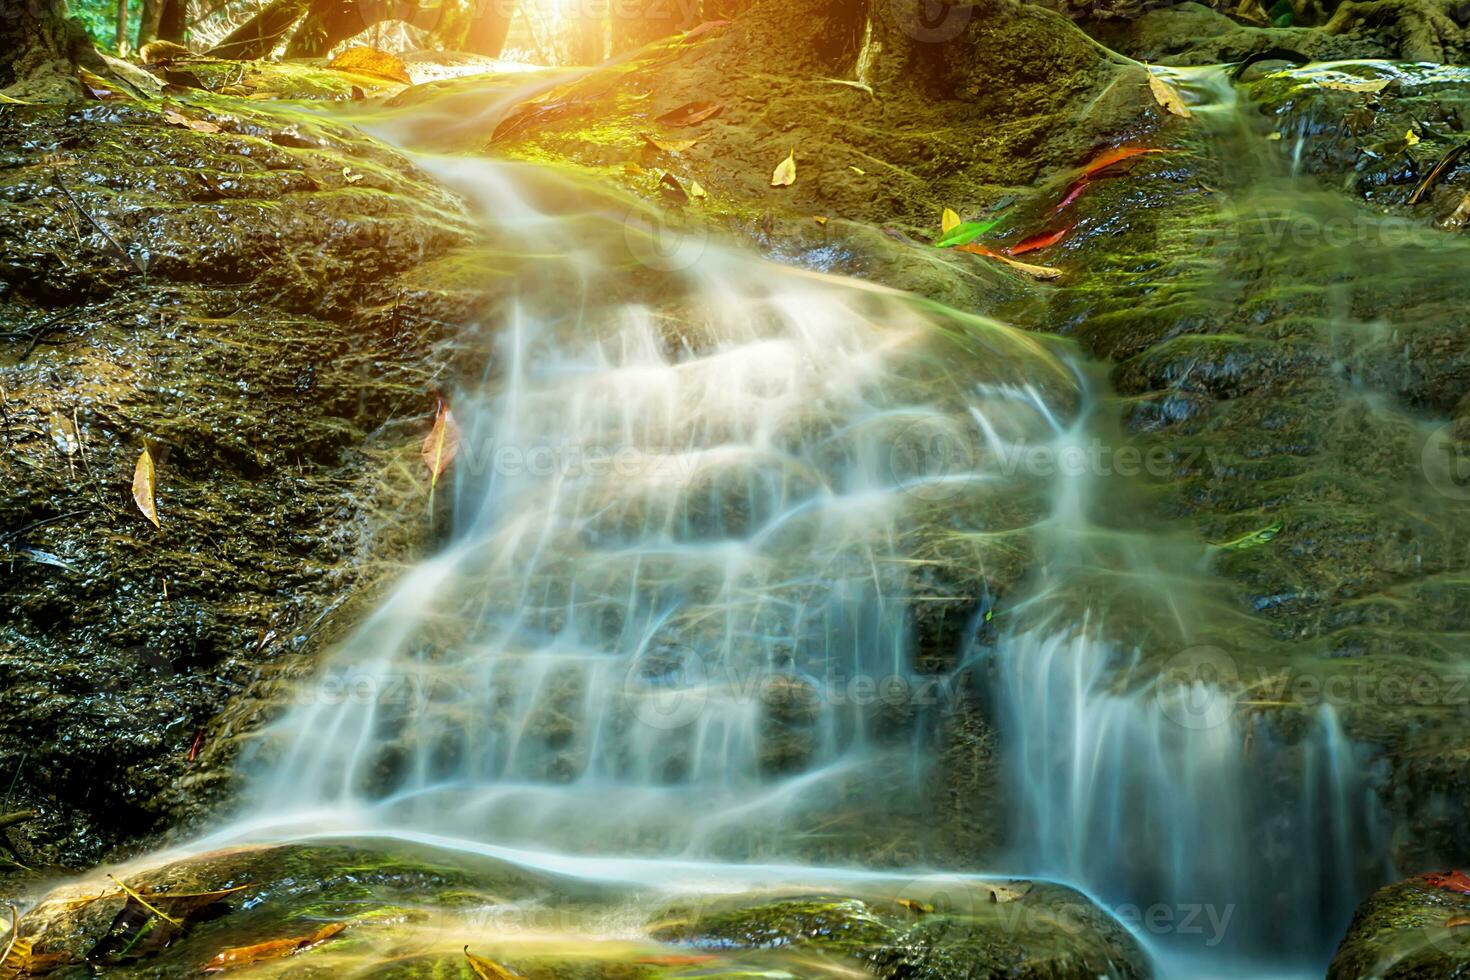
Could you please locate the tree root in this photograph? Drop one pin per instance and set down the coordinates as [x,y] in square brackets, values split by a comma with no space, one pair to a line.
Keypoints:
[1428,29]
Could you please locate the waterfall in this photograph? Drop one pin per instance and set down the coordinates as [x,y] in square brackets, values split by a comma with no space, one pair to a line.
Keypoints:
[687,500]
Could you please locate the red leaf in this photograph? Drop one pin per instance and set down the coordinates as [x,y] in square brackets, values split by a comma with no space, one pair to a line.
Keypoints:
[1037,242]
[198,744]
[1451,881]
[1109,158]
[1073,192]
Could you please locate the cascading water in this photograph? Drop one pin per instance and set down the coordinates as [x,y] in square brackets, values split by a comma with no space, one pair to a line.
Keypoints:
[690,490]
[685,502]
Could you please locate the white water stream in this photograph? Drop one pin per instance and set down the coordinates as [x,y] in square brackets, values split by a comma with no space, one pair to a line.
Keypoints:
[692,490]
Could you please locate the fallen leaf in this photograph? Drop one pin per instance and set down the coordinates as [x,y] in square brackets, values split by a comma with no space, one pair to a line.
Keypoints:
[1073,192]
[7,100]
[1038,242]
[366,61]
[1109,158]
[273,949]
[351,177]
[1043,272]
[948,222]
[198,125]
[1459,217]
[668,146]
[441,445]
[691,113]
[534,112]
[1357,85]
[100,88]
[821,220]
[1457,920]
[857,170]
[1452,881]
[487,970]
[143,486]
[964,233]
[1167,95]
[1254,539]
[785,173]
[17,950]
[920,908]
[669,185]
[149,922]
[695,190]
[1438,171]
[633,169]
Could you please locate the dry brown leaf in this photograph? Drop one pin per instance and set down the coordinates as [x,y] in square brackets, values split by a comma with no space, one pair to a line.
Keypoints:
[948,221]
[198,125]
[441,445]
[143,487]
[487,970]
[366,61]
[1456,921]
[691,113]
[668,146]
[1167,95]
[273,949]
[785,173]
[100,88]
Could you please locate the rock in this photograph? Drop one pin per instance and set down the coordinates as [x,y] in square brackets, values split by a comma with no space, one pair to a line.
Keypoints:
[1406,931]
[407,910]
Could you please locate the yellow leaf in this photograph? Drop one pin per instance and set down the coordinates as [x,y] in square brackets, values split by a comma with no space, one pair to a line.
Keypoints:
[441,445]
[857,170]
[1357,85]
[1411,138]
[366,61]
[1167,95]
[669,146]
[785,173]
[143,485]
[948,222]
[695,190]
[821,220]
[487,970]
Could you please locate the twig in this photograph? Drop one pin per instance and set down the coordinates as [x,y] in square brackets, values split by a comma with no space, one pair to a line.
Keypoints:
[8,535]
[39,334]
[14,934]
[144,902]
[56,178]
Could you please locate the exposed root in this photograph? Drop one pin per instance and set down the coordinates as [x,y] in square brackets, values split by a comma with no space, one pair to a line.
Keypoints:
[1428,30]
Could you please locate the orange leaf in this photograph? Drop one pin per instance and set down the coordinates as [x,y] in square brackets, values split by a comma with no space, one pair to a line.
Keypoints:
[1453,881]
[1457,920]
[272,950]
[1037,242]
[1116,155]
[1034,271]
[1073,192]
[691,113]
[366,61]
[441,445]
[143,485]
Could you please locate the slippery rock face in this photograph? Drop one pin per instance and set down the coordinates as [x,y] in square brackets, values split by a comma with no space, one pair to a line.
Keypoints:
[1411,929]
[223,283]
[395,910]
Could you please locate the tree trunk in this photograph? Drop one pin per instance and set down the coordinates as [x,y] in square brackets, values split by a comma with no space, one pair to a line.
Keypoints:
[163,20]
[261,34]
[330,22]
[121,40]
[40,47]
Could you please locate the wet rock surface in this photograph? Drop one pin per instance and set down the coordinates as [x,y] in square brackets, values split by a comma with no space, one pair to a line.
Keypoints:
[232,297]
[1410,929]
[397,910]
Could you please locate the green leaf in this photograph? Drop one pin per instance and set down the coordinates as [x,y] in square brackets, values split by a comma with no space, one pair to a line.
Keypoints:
[1252,540]
[965,232]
